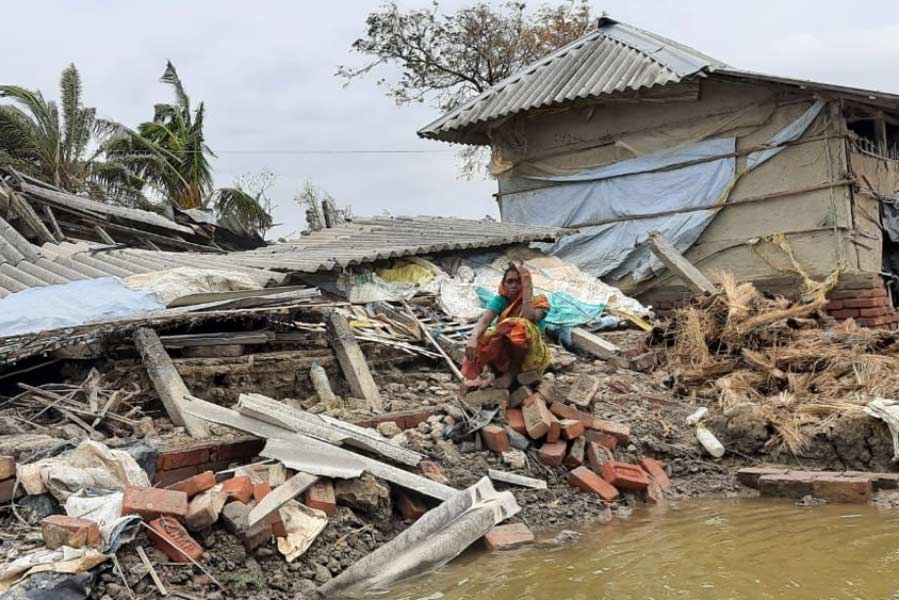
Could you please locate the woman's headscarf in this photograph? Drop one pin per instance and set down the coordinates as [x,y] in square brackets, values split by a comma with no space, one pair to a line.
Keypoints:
[514,308]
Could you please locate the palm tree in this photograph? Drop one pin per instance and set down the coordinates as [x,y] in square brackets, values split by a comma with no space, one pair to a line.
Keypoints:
[171,156]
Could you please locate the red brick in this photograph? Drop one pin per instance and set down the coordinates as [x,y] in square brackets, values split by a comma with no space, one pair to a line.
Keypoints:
[603,439]
[277,524]
[843,294]
[238,488]
[585,479]
[653,494]
[792,484]
[261,490]
[194,485]
[575,457]
[410,508]
[598,455]
[7,467]
[563,411]
[531,399]
[405,419]
[6,489]
[151,503]
[432,471]
[572,428]
[178,459]
[241,451]
[547,389]
[840,488]
[60,530]
[833,305]
[555,429]
[845,313]
[620,431]
[504,537]
[321,496]
[537,419]
[553,453]
[170,537]
[866,302]
[625,476]
[515,419]
[495,438]
[619,386]
[873,312]
[656,471]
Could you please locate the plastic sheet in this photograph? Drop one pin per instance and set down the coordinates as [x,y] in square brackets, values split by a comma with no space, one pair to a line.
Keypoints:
[72,304]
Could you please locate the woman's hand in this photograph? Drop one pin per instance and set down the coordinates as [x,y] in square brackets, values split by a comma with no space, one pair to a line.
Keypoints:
[471,349]
[527,283]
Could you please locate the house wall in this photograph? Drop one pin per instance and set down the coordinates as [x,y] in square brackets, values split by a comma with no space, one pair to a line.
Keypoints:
[798,194]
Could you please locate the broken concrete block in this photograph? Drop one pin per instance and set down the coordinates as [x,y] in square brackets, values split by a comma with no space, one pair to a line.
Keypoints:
[170,537]
[411,508]
[625,476]
[585,479]
[656,471]
[537,418]
[433,471]
[529,378]
[486,397]
[563,411]
[843,489]
[495,438]
[238,489]
[504,537]
[365,494]
[7,467]
[389,429]
[547,389]
[571,429]
[516,459]
[194,485]
[321,496]
[575,457]
[583,391]
[515,419]
[151,503]
[204,509]
[236,516]
[517,397]
[61,530]
[597,455]
[553,453]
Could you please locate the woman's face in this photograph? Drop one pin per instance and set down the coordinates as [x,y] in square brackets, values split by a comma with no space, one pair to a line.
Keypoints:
[513,284]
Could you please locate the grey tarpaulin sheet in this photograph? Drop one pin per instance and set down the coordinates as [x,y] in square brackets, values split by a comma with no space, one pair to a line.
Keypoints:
[629,190]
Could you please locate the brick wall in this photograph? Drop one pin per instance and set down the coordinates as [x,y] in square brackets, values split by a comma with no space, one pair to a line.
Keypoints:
[865,301]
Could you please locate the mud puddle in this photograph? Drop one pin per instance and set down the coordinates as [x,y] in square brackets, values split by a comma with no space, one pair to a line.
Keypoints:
[697,549]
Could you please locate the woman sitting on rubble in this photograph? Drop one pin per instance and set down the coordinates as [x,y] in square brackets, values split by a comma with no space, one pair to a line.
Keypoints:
[515,344]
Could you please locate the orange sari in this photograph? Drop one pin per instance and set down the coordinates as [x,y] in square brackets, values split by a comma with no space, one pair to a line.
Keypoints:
[511,329]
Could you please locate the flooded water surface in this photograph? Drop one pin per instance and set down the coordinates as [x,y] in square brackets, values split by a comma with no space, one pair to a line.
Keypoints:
[710,549]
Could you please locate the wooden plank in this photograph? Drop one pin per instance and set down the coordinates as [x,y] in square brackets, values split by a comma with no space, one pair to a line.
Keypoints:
[593,344]
[516,479]
[352,361]
[60,236]
[680,266]
[153,574]
[280,496]
[26,212]
[105,237]
[168,383]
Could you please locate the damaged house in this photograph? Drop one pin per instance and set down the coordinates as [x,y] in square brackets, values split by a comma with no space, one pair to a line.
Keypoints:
[624,132]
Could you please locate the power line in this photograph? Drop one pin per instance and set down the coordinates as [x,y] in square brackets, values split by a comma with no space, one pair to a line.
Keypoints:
[333,151]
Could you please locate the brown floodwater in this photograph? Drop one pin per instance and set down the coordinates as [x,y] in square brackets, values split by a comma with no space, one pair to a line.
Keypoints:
[699,549]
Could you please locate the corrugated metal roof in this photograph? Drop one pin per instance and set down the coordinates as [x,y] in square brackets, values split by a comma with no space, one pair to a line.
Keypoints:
[612,58]
[23,266]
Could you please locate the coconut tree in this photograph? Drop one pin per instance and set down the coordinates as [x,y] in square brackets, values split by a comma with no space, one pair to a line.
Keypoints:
[171,156]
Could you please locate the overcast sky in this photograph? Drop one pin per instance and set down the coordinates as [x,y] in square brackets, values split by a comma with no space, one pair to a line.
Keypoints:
[266,72]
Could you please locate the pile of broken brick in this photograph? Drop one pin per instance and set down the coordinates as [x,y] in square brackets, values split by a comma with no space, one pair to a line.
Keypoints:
[534,416]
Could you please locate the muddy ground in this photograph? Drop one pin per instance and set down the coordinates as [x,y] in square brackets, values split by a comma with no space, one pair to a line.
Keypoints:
[641,399]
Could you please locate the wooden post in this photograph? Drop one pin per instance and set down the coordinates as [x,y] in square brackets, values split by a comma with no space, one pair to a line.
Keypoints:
[593,344]
[352,361]
[60,236]
[107,239]
[680,266]
[167,381]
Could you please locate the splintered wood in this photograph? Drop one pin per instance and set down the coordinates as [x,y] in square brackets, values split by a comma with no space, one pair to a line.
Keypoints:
[352,361]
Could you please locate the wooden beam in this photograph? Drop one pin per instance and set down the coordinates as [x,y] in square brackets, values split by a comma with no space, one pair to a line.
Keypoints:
[352,361]
[167,381]
[27,214]
[679,265]
[593,344]
[280,496]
